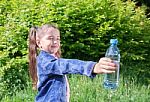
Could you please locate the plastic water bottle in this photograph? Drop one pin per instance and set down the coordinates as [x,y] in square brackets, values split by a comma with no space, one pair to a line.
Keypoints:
[111,80]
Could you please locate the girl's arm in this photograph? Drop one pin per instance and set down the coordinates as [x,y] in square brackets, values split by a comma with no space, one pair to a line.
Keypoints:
[49,65]
[66,66]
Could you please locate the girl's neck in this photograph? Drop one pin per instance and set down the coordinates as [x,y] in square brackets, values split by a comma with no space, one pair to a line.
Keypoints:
[54,55]
[51,53]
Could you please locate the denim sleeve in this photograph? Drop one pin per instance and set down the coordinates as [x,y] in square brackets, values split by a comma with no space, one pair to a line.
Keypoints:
[67,66]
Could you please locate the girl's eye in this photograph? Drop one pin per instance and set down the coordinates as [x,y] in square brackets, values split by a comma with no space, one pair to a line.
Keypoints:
[58,38]
[50,38]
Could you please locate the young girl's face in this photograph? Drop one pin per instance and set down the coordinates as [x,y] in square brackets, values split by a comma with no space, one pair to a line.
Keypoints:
[50,42]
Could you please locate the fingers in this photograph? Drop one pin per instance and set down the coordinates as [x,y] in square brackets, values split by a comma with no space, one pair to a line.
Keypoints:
[106,59]
[100,70]
[107,62]
[108,67]
[105,65]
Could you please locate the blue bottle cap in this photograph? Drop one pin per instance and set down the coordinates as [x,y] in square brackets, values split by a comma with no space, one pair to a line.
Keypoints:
[114,41]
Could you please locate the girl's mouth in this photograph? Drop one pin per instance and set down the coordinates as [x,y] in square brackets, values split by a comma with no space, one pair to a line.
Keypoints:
[54,46]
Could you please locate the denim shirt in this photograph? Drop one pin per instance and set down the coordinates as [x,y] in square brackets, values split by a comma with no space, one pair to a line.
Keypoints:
[51,73]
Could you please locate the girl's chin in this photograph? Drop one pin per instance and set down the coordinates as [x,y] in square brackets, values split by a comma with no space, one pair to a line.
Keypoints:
[53,51]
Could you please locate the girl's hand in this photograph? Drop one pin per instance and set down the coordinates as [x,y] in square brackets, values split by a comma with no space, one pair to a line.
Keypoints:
[105,65]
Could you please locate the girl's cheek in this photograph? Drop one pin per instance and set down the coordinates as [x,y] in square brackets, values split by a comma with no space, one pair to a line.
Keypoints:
[49,42]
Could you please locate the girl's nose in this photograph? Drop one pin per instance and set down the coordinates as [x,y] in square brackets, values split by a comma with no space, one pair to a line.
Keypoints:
[55,41]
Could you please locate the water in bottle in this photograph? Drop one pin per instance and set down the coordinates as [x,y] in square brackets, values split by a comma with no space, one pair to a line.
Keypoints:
[111,80]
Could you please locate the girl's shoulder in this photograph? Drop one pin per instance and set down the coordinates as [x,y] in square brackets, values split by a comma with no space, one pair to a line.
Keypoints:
[43,55]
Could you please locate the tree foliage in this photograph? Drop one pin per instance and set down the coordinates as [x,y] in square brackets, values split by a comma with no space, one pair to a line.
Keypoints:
[86,27]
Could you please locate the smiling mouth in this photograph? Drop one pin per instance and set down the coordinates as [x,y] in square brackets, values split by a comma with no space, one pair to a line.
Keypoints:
[54,46]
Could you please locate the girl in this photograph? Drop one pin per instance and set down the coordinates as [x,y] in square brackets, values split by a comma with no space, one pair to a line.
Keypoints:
[48,71]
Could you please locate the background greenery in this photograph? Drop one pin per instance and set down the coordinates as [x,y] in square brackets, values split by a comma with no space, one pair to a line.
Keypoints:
[86,27]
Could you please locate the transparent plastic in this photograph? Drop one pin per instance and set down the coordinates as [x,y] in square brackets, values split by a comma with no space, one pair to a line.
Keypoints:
[111,81]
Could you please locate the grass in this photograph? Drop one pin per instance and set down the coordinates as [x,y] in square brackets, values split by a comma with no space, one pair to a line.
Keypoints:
[84,89]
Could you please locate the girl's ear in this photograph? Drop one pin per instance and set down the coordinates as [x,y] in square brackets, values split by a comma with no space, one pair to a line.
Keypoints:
[38,43]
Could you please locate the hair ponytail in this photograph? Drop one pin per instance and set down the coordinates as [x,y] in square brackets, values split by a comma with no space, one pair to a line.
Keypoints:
[32,56]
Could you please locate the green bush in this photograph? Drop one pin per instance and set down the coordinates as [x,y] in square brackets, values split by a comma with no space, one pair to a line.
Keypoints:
[86,26]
